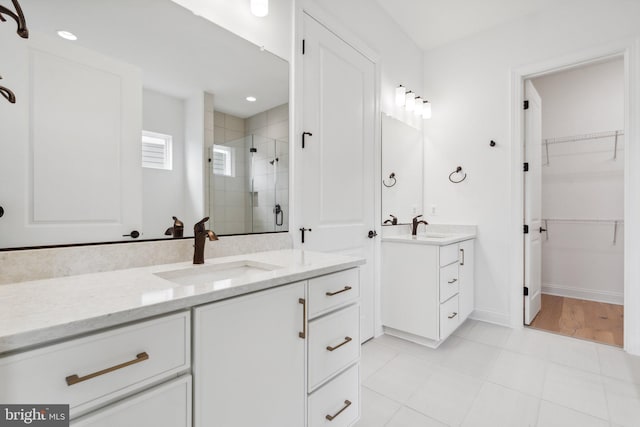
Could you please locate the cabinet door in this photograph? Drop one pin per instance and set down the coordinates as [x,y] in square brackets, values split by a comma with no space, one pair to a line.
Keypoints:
[168,405]
[249,360]
[466,279]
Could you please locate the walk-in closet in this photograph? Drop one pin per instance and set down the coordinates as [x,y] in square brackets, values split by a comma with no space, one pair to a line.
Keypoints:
[582,197]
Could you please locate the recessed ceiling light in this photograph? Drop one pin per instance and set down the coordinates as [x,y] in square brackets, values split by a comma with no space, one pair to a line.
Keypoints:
[251,98]
[67,35]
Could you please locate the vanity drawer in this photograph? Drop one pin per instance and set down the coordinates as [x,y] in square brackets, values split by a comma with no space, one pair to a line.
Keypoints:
[333,290]
[334,343]
[449,318]
[107,365]
[448,254]
[449,283]
[337,403]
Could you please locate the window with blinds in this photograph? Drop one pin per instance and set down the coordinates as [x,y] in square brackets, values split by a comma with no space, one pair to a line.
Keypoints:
[222,160]
[156,150]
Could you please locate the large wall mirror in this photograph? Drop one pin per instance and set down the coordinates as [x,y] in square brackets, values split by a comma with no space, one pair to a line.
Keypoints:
[138,112]
[402,170]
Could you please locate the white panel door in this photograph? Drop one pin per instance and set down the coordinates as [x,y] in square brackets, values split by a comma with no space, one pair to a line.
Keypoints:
[335,168]
[533,204]
[71,144]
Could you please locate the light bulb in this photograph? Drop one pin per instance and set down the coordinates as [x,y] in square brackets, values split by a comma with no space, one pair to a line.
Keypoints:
[400,91]
[260,8]
[410,101]
[418,108]
[426,110]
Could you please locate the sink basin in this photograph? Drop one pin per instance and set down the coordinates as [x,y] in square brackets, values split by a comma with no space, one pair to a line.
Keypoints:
[435,235]
[216,272]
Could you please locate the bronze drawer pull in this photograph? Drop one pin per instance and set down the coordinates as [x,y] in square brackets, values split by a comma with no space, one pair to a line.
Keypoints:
[346,340]
[347,403]
[452,315]
[303,334]
[346,288]
[75,379]
[452,281]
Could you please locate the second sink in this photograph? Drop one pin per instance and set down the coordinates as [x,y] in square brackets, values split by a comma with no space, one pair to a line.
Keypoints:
[215,272]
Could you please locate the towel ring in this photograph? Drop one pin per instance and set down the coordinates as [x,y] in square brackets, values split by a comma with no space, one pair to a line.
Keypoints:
[458,170]
[392,177]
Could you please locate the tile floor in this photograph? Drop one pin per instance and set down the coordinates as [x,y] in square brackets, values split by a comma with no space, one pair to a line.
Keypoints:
[487,375]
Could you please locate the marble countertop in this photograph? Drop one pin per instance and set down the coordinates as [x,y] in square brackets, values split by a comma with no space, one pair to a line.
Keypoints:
[436,239]
[43,311]
[435,234]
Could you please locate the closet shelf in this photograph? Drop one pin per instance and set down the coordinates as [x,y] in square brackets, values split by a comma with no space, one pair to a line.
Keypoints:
[615,134]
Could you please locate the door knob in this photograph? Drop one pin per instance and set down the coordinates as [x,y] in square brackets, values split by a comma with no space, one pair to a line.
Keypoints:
[372,234]
[542,229]
[134,234]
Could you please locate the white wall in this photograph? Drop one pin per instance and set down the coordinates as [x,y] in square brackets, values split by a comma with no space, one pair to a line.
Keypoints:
[401,60]
[164,190]
[582,180]
[469,85]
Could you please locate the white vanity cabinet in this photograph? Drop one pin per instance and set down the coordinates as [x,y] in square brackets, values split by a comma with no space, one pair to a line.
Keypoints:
[334,350]
[258,358]
[249,367]
[427,289]
[89,372]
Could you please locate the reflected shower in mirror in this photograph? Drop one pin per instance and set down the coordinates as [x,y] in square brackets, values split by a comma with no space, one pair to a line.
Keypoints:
[248,177]
[402,156]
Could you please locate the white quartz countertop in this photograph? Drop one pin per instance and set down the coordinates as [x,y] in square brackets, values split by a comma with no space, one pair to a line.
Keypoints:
[42,311]
[436,239]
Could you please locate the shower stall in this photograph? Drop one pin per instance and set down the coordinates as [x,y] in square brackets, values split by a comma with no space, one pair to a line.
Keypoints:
[249,185]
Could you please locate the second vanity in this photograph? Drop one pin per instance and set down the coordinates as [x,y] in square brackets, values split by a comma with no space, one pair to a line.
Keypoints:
[427,283]
[269,339]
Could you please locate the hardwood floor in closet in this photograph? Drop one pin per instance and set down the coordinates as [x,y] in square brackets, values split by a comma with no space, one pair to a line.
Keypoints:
[589,320]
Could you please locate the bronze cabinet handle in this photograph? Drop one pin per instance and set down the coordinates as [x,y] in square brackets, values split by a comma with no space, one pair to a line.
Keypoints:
[346,288]
[75,379]
[303,334]
[452,315]
[462,253]
[346,340]
[452,281]
[347,403]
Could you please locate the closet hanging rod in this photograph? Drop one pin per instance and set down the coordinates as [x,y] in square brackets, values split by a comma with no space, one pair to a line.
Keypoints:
[585,221]
[584,137]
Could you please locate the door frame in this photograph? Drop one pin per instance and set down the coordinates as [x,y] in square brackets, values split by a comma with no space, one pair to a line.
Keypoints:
[628,49]
[315,11]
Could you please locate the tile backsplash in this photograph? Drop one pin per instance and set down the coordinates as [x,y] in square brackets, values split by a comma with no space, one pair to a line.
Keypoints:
[35,264]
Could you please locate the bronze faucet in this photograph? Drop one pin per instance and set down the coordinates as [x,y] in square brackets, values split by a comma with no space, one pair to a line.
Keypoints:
[392,221]
[415,223]
[200,234]
[177,230]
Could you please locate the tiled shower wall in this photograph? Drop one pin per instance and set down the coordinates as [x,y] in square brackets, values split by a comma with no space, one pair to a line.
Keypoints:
[271,167]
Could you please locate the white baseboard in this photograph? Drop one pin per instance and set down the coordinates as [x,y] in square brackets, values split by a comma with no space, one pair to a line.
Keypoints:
[586,294]
[494,317]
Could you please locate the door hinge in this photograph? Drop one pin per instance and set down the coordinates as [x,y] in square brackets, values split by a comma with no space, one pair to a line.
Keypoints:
[526,166]
[526,229]
[303,46]
[526,105]
[526,291]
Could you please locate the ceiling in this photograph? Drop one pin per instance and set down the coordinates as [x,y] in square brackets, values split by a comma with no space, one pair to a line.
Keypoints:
[433,23]
[178,52]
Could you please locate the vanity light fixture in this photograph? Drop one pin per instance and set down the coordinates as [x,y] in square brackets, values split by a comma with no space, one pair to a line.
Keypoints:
[400,96]
[67,35]
[251,98]
[426,110]
[410,101]
[260,8]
